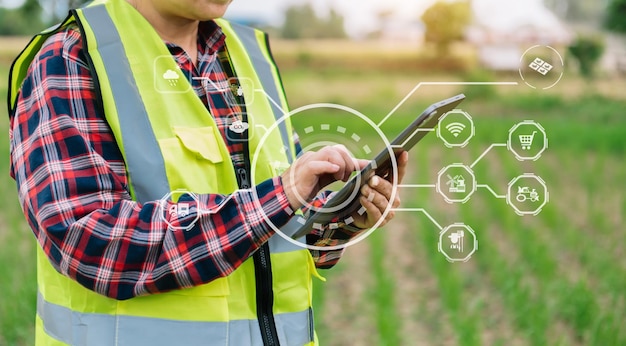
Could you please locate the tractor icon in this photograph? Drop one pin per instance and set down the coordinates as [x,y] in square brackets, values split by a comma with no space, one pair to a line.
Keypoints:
[524,193]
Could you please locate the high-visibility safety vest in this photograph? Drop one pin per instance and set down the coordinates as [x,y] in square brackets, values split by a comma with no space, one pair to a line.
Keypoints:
[170,142]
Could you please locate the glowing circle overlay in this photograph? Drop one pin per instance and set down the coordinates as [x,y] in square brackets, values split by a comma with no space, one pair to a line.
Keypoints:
[394,170]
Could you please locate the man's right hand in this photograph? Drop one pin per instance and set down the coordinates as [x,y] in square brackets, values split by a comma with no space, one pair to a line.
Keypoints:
[313,170]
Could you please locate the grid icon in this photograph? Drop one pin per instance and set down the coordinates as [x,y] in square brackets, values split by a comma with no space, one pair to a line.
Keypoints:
[540,66]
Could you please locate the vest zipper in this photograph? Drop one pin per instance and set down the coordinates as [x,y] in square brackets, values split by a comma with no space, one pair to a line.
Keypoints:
[261,258]
[265,296]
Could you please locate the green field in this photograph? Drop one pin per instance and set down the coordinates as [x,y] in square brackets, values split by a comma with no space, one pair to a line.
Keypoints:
[557,278]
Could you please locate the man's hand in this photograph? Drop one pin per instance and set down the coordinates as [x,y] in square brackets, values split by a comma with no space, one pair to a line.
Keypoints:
[375,196]
[314,170]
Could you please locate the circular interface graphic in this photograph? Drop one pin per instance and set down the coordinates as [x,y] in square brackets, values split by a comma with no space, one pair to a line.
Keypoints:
[326,124]
[541,67]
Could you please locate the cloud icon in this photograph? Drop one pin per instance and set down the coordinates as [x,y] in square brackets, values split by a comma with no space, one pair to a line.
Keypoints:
[239,126]
[170,74]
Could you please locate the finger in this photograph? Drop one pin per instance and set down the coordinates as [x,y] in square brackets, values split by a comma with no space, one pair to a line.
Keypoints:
[381,185]
[373,213]
[390,215]
[375,197]
[333,155]
[348,160]
[322,167]
[403,161]
[396,202]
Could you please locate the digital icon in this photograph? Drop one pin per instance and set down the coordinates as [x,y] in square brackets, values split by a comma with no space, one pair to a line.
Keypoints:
[242,88]
[179,210]
[457,242]
[236,89]
[527,194]
[456,128]
[457,184]
[456,238]
[541,66]
[172,212]
[171,77]
[238,126]
[527,140]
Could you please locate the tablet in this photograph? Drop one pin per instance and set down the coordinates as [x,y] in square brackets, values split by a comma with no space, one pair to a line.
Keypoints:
[345,201]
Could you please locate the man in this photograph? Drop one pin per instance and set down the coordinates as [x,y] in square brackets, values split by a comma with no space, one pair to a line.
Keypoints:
[113,112]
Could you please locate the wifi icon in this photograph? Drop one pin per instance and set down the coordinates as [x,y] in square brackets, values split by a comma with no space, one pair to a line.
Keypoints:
[455,128]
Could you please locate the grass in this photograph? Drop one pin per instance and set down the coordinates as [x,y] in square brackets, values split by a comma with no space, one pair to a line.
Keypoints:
[557,278]
[17,252]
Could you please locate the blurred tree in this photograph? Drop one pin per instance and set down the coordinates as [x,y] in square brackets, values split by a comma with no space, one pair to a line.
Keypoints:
[34,15]
[587,50]
[21,20]
[298,19]
[615,18]
[445,23]
[334,27]
[302,22]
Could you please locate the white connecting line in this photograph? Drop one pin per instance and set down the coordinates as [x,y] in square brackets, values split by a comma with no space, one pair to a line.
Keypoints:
[271,100]
[422,211]
[486,151]
[485,186]
[418,185]
[438,83]
[410,137]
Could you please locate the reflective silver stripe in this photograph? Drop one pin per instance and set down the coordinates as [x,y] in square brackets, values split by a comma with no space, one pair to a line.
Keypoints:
[89,329]
[144,154]
[264,70]
[278,244]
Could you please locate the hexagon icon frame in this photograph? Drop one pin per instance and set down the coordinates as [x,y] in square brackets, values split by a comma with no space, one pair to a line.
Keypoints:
[457,200]
[455,226]
[163,202]
[509,143]
[472,129]
[536,210]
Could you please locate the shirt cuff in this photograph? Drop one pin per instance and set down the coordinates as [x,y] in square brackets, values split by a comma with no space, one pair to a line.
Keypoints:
[271,207]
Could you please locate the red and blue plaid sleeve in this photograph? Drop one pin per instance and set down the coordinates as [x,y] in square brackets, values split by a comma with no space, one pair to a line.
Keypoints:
[326,259]
[72,185]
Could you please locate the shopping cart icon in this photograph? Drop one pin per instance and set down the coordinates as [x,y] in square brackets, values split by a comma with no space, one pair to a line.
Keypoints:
[527,140]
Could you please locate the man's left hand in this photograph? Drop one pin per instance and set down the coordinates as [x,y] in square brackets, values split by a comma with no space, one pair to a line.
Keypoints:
[376,196]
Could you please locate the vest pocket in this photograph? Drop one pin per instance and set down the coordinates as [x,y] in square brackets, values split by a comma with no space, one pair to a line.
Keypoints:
[193,159]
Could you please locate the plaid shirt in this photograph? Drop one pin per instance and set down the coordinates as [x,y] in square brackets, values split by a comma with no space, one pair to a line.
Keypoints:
[73,186]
